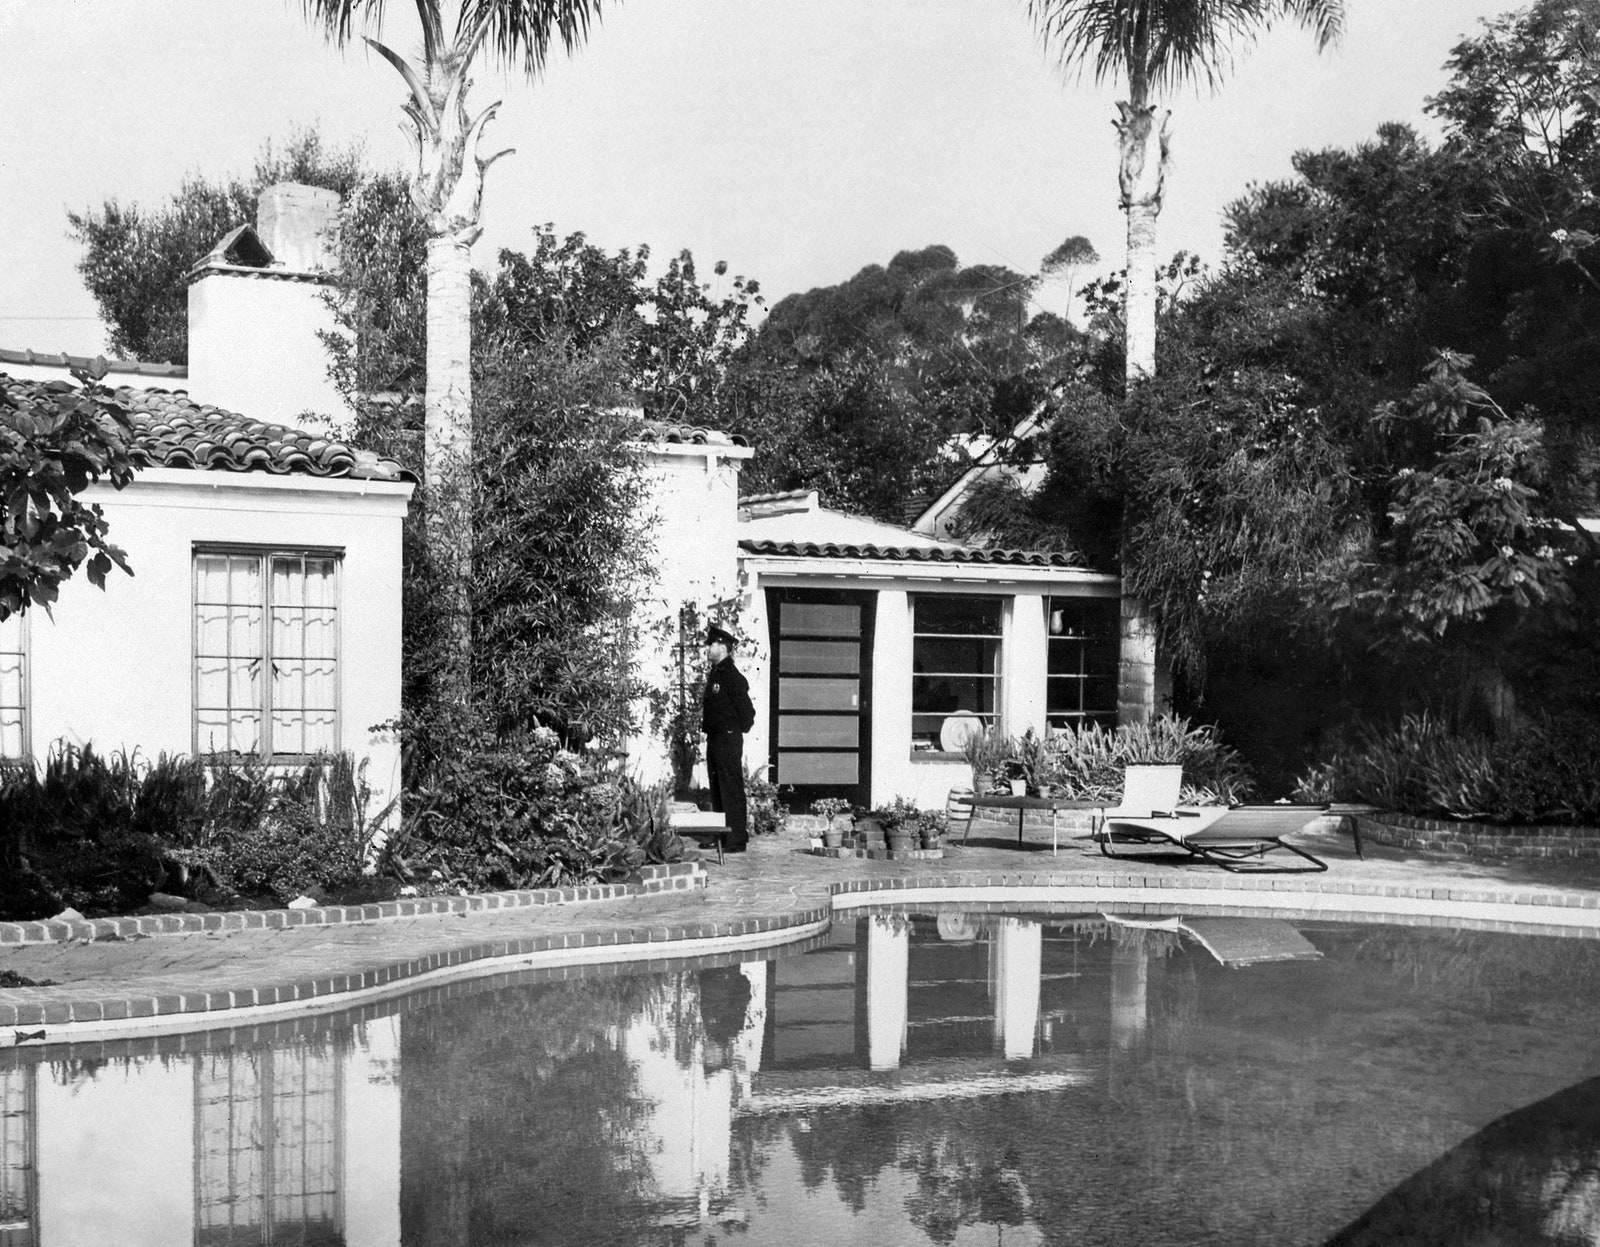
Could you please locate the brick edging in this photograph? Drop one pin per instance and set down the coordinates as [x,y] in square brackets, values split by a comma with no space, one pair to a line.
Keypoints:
[1469,839]
[668,877]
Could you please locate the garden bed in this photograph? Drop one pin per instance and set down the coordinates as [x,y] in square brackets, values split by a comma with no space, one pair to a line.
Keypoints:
[1441,835]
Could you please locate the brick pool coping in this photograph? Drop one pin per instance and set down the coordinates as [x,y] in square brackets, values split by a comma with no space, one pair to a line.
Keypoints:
[676,877]
[62,1012]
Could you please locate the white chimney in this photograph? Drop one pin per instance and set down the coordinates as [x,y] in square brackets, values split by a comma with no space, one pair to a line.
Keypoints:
[256,313]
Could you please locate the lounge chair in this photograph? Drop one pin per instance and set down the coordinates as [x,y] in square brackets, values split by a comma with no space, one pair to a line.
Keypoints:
[1236,838]
[1234,942]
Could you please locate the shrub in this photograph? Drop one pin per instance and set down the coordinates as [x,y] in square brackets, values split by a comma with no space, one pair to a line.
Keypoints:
[100,833]
[1546,772]
[518,810]
[767,815]
[1090,760]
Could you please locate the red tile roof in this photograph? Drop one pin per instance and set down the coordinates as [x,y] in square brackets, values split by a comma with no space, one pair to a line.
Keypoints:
[660,431]
[920,554]
[170,430]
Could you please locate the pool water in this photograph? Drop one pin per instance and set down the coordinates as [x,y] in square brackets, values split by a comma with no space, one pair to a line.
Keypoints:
[941,1077]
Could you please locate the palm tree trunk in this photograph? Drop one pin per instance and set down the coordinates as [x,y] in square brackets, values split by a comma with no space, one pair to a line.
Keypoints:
[1141,173]
[448,456]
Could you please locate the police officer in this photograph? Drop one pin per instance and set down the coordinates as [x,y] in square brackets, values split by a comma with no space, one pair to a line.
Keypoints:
[725,717]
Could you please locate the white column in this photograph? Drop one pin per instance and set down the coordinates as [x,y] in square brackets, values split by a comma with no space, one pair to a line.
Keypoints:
[1025,664]
[888,965]
[116,1155]
[1130,980]
[372,1135]
[891,696]
[1016,956]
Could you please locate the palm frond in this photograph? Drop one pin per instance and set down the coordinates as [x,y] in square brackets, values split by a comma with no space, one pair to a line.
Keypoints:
[1166,43]
[522,32]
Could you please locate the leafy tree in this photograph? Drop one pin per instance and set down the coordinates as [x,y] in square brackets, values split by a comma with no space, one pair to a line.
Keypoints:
[1157,45]
[136,260]
[858,389]
[54,440]
[448,192]
[1073,253]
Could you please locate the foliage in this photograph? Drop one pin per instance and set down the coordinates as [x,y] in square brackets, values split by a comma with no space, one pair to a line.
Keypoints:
[986,750]
[136,259]
[495,808]
[55,440]
[830,807]
[1089,761]
[1546,772]
[1465,537]
[858,389]
[767,813]
[99,833]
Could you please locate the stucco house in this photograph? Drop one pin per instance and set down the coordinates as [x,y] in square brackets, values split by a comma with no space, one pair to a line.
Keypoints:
[264,615]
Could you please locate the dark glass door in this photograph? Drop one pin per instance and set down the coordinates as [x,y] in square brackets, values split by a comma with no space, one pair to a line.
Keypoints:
[821,694]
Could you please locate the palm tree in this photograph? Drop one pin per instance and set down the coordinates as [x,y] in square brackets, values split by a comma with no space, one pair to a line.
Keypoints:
[1158,45]
[448,191]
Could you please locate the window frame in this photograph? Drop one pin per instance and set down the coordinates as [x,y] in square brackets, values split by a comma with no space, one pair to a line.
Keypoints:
[19,620]
[1002,605]
[265,552]
[1106,717]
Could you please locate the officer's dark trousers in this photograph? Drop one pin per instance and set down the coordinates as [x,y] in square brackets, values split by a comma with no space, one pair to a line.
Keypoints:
[725,765]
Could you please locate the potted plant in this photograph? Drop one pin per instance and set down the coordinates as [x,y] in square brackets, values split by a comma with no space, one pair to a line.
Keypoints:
[1035,764]
[899,820]
[837,811]
[933,828]
[986,752]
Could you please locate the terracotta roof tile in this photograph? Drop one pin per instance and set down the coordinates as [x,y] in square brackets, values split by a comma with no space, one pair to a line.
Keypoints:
[662,431]
[172,431]
[917,554]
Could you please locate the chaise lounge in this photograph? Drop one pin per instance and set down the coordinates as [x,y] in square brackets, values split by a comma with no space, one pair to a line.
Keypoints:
[1235,838]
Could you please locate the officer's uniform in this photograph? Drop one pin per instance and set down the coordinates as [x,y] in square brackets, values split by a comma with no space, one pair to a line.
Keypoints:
[726,715]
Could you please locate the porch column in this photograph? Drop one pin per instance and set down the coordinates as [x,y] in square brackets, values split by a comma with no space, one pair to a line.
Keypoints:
[1015,961]
[1027,663]
[888,965]
[891,696]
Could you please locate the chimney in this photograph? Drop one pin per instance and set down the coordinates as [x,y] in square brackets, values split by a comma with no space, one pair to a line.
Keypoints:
[256,313]
[299,225]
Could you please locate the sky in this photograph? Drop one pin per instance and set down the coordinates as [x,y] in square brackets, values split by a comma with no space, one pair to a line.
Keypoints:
[798,140]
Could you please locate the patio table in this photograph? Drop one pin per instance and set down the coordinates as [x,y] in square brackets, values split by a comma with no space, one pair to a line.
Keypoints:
[994,801]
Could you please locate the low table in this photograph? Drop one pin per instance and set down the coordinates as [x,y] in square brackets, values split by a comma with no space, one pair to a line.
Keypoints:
[994,801]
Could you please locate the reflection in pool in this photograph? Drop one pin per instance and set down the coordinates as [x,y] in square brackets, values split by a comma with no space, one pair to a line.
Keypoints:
[950,1078]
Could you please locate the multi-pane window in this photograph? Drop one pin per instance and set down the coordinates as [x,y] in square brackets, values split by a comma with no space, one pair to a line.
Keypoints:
[266,632]
[1083,662]
[955,663]
[13,690]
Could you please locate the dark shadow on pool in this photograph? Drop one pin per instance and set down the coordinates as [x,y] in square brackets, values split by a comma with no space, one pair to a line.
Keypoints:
[1530,1178]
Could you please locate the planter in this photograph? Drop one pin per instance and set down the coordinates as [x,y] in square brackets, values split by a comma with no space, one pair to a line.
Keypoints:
[1019,788]
[901,841]
[932,840]
[1038,790]
[837,829]
[982,782]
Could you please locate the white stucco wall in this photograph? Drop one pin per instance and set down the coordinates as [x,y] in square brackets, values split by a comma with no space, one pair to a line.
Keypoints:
[254,346]
[692,504]
[115,668]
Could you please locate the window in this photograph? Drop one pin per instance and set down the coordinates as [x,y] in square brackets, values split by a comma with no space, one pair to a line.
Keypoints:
[13,690]
[1083,662]
[955,663]
[266,675]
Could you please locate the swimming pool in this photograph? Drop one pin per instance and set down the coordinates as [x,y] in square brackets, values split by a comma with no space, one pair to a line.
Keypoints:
[947,1076]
